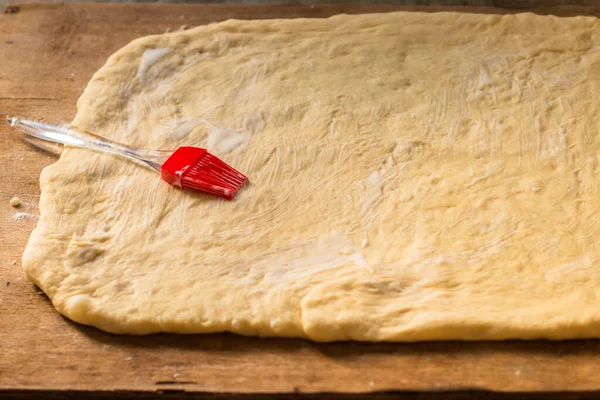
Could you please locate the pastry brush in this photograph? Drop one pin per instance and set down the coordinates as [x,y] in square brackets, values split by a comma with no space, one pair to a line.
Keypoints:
[187,167]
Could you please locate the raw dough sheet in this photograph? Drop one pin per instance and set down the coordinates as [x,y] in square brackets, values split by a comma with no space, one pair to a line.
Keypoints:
[413,177]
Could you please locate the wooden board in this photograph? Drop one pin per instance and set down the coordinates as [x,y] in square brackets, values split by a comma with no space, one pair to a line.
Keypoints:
[48,52]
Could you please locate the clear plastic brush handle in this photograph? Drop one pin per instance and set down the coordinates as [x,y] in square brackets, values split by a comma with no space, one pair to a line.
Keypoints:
[73,136]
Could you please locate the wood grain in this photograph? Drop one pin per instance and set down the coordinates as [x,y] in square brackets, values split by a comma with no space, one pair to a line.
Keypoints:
[48,52]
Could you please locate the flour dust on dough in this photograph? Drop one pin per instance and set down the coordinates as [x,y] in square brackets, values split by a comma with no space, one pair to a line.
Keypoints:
[413,177]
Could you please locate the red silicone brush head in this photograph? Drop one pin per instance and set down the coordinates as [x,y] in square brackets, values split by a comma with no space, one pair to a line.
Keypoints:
[196,169]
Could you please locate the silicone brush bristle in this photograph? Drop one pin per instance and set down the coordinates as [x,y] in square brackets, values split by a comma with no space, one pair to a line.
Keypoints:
[211,175]
[196,169]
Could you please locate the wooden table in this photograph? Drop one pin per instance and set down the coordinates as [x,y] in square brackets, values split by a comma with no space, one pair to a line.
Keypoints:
[48,52]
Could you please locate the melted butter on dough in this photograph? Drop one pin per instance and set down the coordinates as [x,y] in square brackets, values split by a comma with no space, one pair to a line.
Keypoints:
[413,177]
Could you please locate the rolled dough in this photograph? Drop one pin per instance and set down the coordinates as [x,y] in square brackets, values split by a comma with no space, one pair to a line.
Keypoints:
[414,177]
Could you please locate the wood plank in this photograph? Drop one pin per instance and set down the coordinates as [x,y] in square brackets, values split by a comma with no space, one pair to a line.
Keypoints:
[48,52]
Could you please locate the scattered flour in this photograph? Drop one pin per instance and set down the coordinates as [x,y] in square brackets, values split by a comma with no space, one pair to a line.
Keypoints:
[23,215]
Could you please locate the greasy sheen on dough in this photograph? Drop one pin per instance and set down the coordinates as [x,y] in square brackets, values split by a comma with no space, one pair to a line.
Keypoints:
[413,177]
